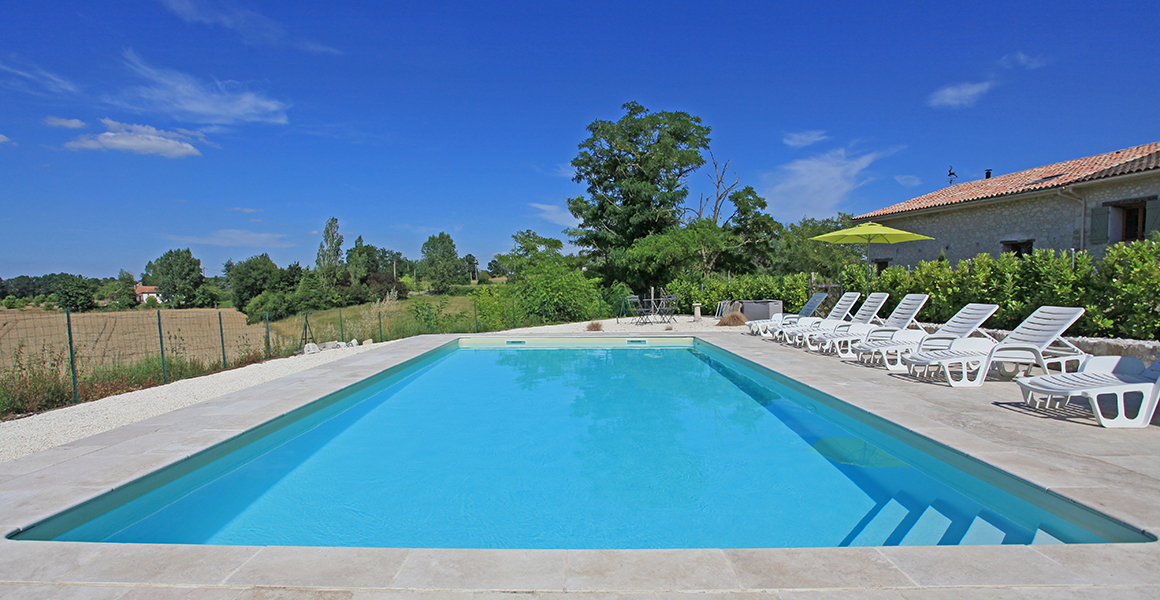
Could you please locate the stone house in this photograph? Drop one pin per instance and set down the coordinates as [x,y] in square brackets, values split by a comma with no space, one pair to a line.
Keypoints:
[1082,204]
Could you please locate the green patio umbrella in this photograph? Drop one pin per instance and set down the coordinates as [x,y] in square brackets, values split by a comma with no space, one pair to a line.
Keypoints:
[869,233]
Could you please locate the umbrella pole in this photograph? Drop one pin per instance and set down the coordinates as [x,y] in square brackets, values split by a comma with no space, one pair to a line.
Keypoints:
[867,269]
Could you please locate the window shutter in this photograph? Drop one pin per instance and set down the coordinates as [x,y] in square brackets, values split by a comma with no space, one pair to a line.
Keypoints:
[1099,230]
[1151,216]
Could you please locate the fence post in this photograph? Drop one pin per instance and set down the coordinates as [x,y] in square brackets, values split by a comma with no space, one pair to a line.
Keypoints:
[430,327]
[381,326]
[72,357]
[161,340]
[599,308]
[543,313]
[222,333]
[267,334]
[341,331]
[475,311]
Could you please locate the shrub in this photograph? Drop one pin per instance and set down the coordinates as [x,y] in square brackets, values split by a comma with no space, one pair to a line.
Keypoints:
[1125,299]
[731,319]
[595,326]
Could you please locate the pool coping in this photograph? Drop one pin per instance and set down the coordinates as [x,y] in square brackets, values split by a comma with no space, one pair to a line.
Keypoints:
[1109,470]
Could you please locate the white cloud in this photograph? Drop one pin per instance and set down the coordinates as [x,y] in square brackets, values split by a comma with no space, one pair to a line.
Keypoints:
[802,139]
[255,220]
[555,214]
[1022,60]
[59,122]
[908,180]
[183,97]
[32,74]
[4,139]
[315,232]
[564,171]
[236,238]
[252,27]
[140,139]
[817,186]
[959,95]
[248,210]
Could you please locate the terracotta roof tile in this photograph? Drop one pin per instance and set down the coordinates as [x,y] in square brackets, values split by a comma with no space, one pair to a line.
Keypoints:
[1120,162]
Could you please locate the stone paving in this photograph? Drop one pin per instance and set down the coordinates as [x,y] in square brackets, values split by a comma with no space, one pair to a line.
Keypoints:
[1115,471]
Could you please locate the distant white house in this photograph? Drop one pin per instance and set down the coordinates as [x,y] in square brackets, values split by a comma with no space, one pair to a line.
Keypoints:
[145,292]
[1085,203]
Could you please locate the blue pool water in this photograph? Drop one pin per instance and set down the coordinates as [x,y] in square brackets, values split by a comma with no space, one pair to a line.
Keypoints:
[618,447]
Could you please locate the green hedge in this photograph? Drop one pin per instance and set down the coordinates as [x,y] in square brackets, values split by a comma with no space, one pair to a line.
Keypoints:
[1121,291]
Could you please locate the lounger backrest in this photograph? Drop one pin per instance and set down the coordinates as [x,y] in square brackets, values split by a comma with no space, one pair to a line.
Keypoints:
[967,320]
[869,309]
[906,310]
[812,304]
[1044,326]
[841,310]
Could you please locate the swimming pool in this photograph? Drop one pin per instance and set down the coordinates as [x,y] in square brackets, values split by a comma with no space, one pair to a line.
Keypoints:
[544,444]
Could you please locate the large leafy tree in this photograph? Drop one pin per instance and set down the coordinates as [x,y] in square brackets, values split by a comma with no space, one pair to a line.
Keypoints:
[250,277]
[75,293]
[637,173]
[178,276]
[441,263]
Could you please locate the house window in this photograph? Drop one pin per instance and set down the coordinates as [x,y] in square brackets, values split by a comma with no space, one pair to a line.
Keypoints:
[1019,247]
[1133,220]
[880,266]
[1125,220]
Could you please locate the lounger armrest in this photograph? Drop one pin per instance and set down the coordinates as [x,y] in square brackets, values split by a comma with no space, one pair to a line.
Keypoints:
[1121,365]
[1009,352]
[979,345]
[908,335]
[859,329]
[937,342]
[880,333]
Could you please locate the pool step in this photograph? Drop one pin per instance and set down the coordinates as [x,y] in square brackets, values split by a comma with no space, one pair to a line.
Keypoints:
[896,525]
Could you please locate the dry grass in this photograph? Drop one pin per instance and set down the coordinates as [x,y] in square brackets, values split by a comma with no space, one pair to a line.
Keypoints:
[117,338]
[731,319]
[595,326]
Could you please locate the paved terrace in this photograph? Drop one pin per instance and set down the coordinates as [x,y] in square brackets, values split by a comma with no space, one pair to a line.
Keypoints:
[1115,471]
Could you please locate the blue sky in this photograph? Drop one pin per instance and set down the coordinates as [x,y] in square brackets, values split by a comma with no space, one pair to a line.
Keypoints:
[238,127]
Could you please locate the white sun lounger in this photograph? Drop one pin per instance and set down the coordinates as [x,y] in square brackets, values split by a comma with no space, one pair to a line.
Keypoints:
[762,327]
[842,339]
[867,314]
[1100,376]
[839,314]
[890,351]
[1035,342]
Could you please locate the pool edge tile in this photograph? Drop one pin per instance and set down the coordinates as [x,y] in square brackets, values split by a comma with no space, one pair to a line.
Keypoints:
[814,568]
[981,566]
[644,570]
[510,570]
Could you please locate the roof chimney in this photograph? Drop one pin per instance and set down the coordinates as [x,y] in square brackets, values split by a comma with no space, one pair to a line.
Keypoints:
[988,176]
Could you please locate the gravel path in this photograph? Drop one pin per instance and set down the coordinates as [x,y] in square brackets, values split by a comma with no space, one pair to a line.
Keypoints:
[22,437]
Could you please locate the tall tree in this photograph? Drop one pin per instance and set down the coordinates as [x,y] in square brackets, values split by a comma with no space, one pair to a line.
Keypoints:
[125,295]
[637,174]
[329,261]
[472,265]
[441,263]
[178,276]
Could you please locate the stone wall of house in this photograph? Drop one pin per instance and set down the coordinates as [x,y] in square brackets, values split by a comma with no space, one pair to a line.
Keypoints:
[1051,220]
